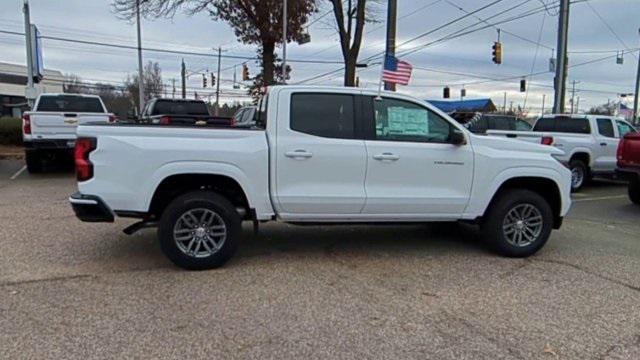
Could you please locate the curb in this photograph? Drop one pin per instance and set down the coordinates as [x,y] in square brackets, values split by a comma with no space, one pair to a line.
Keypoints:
[11,156]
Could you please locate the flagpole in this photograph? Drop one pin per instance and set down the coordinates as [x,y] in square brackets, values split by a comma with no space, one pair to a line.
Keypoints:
[379,97]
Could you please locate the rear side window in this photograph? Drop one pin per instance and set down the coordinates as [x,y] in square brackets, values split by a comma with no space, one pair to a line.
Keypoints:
[563,124]
[545,124]
[325,115]
[501,123]
[70,103]
[180,108]
[573,125]
[605,128]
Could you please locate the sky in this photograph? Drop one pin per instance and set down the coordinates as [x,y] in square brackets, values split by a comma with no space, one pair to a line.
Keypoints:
[598,29]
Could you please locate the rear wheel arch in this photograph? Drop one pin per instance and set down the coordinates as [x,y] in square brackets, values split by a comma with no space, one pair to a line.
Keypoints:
[545,187]
[176,185]
[582,156]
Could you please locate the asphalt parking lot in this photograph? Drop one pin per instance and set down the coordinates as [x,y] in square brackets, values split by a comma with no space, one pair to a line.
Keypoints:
[75,290]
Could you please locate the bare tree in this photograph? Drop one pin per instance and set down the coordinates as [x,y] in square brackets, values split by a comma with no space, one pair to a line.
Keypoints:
[350,18]
[253,21]
[153,86]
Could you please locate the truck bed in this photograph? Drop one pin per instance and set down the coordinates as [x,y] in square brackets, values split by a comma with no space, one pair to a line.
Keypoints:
[131,160]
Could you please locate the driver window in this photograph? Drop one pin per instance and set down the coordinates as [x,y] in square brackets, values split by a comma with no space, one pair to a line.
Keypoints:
[624,128]
[398,120]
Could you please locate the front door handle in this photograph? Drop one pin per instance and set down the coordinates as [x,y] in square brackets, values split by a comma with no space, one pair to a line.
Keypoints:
[603,144]
[386,157]
[298,154]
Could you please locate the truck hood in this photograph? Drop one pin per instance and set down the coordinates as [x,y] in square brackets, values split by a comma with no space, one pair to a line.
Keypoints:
[501,143]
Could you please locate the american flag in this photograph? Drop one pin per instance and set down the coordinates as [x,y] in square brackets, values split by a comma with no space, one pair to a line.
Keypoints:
[396,71]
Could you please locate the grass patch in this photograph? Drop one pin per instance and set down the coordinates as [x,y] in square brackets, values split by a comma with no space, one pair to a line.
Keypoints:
[10,131]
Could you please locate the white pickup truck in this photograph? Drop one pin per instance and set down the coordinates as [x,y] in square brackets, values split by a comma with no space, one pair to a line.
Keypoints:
[589,142]
[50,129]
[318,155]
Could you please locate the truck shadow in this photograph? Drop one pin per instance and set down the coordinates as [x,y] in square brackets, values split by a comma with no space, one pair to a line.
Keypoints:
[284,240]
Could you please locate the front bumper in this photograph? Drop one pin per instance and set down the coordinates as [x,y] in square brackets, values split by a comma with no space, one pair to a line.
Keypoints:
[91,208]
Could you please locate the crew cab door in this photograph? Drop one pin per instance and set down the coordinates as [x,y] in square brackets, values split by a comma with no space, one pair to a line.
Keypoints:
[319,161]
[413,170]
[606,145]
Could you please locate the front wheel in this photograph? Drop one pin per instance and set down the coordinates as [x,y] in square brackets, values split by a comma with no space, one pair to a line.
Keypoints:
[634,191]
[518,223]
[199,230]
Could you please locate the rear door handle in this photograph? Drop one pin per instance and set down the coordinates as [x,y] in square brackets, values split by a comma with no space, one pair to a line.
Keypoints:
[386,157]
[298,154]
[603,144]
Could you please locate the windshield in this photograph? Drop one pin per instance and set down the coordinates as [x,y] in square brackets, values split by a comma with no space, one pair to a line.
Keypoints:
[164,107]
[69,103]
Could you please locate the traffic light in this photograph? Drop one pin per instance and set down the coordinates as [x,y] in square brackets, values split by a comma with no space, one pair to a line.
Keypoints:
[523,85]
[204,80]
[497,52]
[245,72]
[446,93]
[213,80]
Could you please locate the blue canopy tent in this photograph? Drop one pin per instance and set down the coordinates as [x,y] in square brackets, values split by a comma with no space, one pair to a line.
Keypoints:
[475,105]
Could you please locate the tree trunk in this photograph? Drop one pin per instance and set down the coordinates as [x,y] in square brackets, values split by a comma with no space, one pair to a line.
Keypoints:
[268,59]
[350,70]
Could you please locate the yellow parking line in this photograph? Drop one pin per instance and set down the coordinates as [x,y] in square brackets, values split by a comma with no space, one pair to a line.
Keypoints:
[601,198]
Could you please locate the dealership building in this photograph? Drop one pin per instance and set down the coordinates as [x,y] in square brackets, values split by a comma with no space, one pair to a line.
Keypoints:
[13,80]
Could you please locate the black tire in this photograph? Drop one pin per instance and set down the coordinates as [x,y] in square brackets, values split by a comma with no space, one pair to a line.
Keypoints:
[634,191]
[34,161]
[508,200]
[581,168]
[199,200]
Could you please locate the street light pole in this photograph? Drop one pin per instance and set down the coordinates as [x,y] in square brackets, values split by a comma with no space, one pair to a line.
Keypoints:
[285,19]
[29,91]
[140,69]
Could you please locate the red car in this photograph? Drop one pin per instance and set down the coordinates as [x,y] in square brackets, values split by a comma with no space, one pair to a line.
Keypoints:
[629,164]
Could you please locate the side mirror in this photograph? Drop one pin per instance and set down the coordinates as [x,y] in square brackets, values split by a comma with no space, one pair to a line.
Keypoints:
[457,137]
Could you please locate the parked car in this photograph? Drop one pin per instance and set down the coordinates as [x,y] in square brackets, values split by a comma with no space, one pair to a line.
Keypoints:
[50,129]
[589,142]
[629,164]
[319,155]
[479,123]
[244,117]
[161,111]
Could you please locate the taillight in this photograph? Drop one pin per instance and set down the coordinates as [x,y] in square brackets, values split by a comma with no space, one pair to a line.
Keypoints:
[547,140]
[26,124]
[620,152]
[84,167]
[165,120]
[234,122]
[113,118]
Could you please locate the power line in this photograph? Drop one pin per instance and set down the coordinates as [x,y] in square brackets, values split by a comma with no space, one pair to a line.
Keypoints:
[167,51]
[609,27]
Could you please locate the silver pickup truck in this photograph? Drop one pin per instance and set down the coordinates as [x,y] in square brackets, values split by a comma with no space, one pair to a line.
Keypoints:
[50,129]
[589,142]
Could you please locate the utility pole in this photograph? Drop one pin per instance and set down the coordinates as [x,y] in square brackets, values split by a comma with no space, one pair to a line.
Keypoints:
[635,96]
[561,68]
[285,19]
[504,104]
[218,82]
[544,97]
[184,80]
[140,69]
[573,95]
[390,50]
[30,92]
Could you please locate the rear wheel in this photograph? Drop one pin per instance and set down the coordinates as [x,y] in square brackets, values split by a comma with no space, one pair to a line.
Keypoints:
[34,161]
[518,224]
[199,230]
[634,191]
[579,174]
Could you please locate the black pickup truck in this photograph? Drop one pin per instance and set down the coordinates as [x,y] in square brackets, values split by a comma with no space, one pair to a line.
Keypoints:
[163,111]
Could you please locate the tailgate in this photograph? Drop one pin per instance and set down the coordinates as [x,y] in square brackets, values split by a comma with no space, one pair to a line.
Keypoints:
[62,125]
